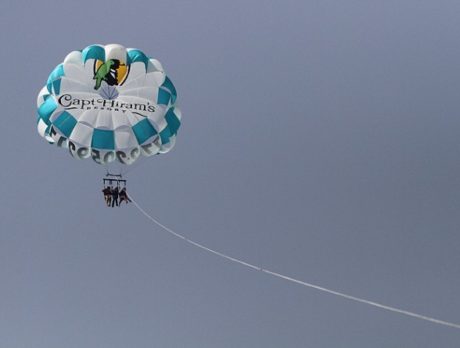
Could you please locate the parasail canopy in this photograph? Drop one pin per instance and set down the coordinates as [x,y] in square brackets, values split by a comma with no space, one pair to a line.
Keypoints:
[109,103]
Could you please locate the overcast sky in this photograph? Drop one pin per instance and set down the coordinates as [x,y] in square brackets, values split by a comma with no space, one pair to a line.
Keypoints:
[320,139]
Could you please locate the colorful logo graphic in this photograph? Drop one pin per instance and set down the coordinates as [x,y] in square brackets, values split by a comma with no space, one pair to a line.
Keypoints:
[114,72]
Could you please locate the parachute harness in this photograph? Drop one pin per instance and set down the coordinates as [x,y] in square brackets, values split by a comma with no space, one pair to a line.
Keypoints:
[293,280]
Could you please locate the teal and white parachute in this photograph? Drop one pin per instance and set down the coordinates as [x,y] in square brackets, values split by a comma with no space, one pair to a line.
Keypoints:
[109,103]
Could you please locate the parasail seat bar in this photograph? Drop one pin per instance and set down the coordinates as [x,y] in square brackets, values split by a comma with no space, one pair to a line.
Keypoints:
[111,179]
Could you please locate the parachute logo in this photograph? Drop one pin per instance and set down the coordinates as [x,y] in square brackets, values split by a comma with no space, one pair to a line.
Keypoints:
[114,72]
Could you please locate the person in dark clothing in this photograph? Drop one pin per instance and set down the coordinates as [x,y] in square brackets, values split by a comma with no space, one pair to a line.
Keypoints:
[124,196]
[107,195]
[114,196]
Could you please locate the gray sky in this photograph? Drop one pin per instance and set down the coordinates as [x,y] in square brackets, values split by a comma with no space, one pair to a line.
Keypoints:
[320,140]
